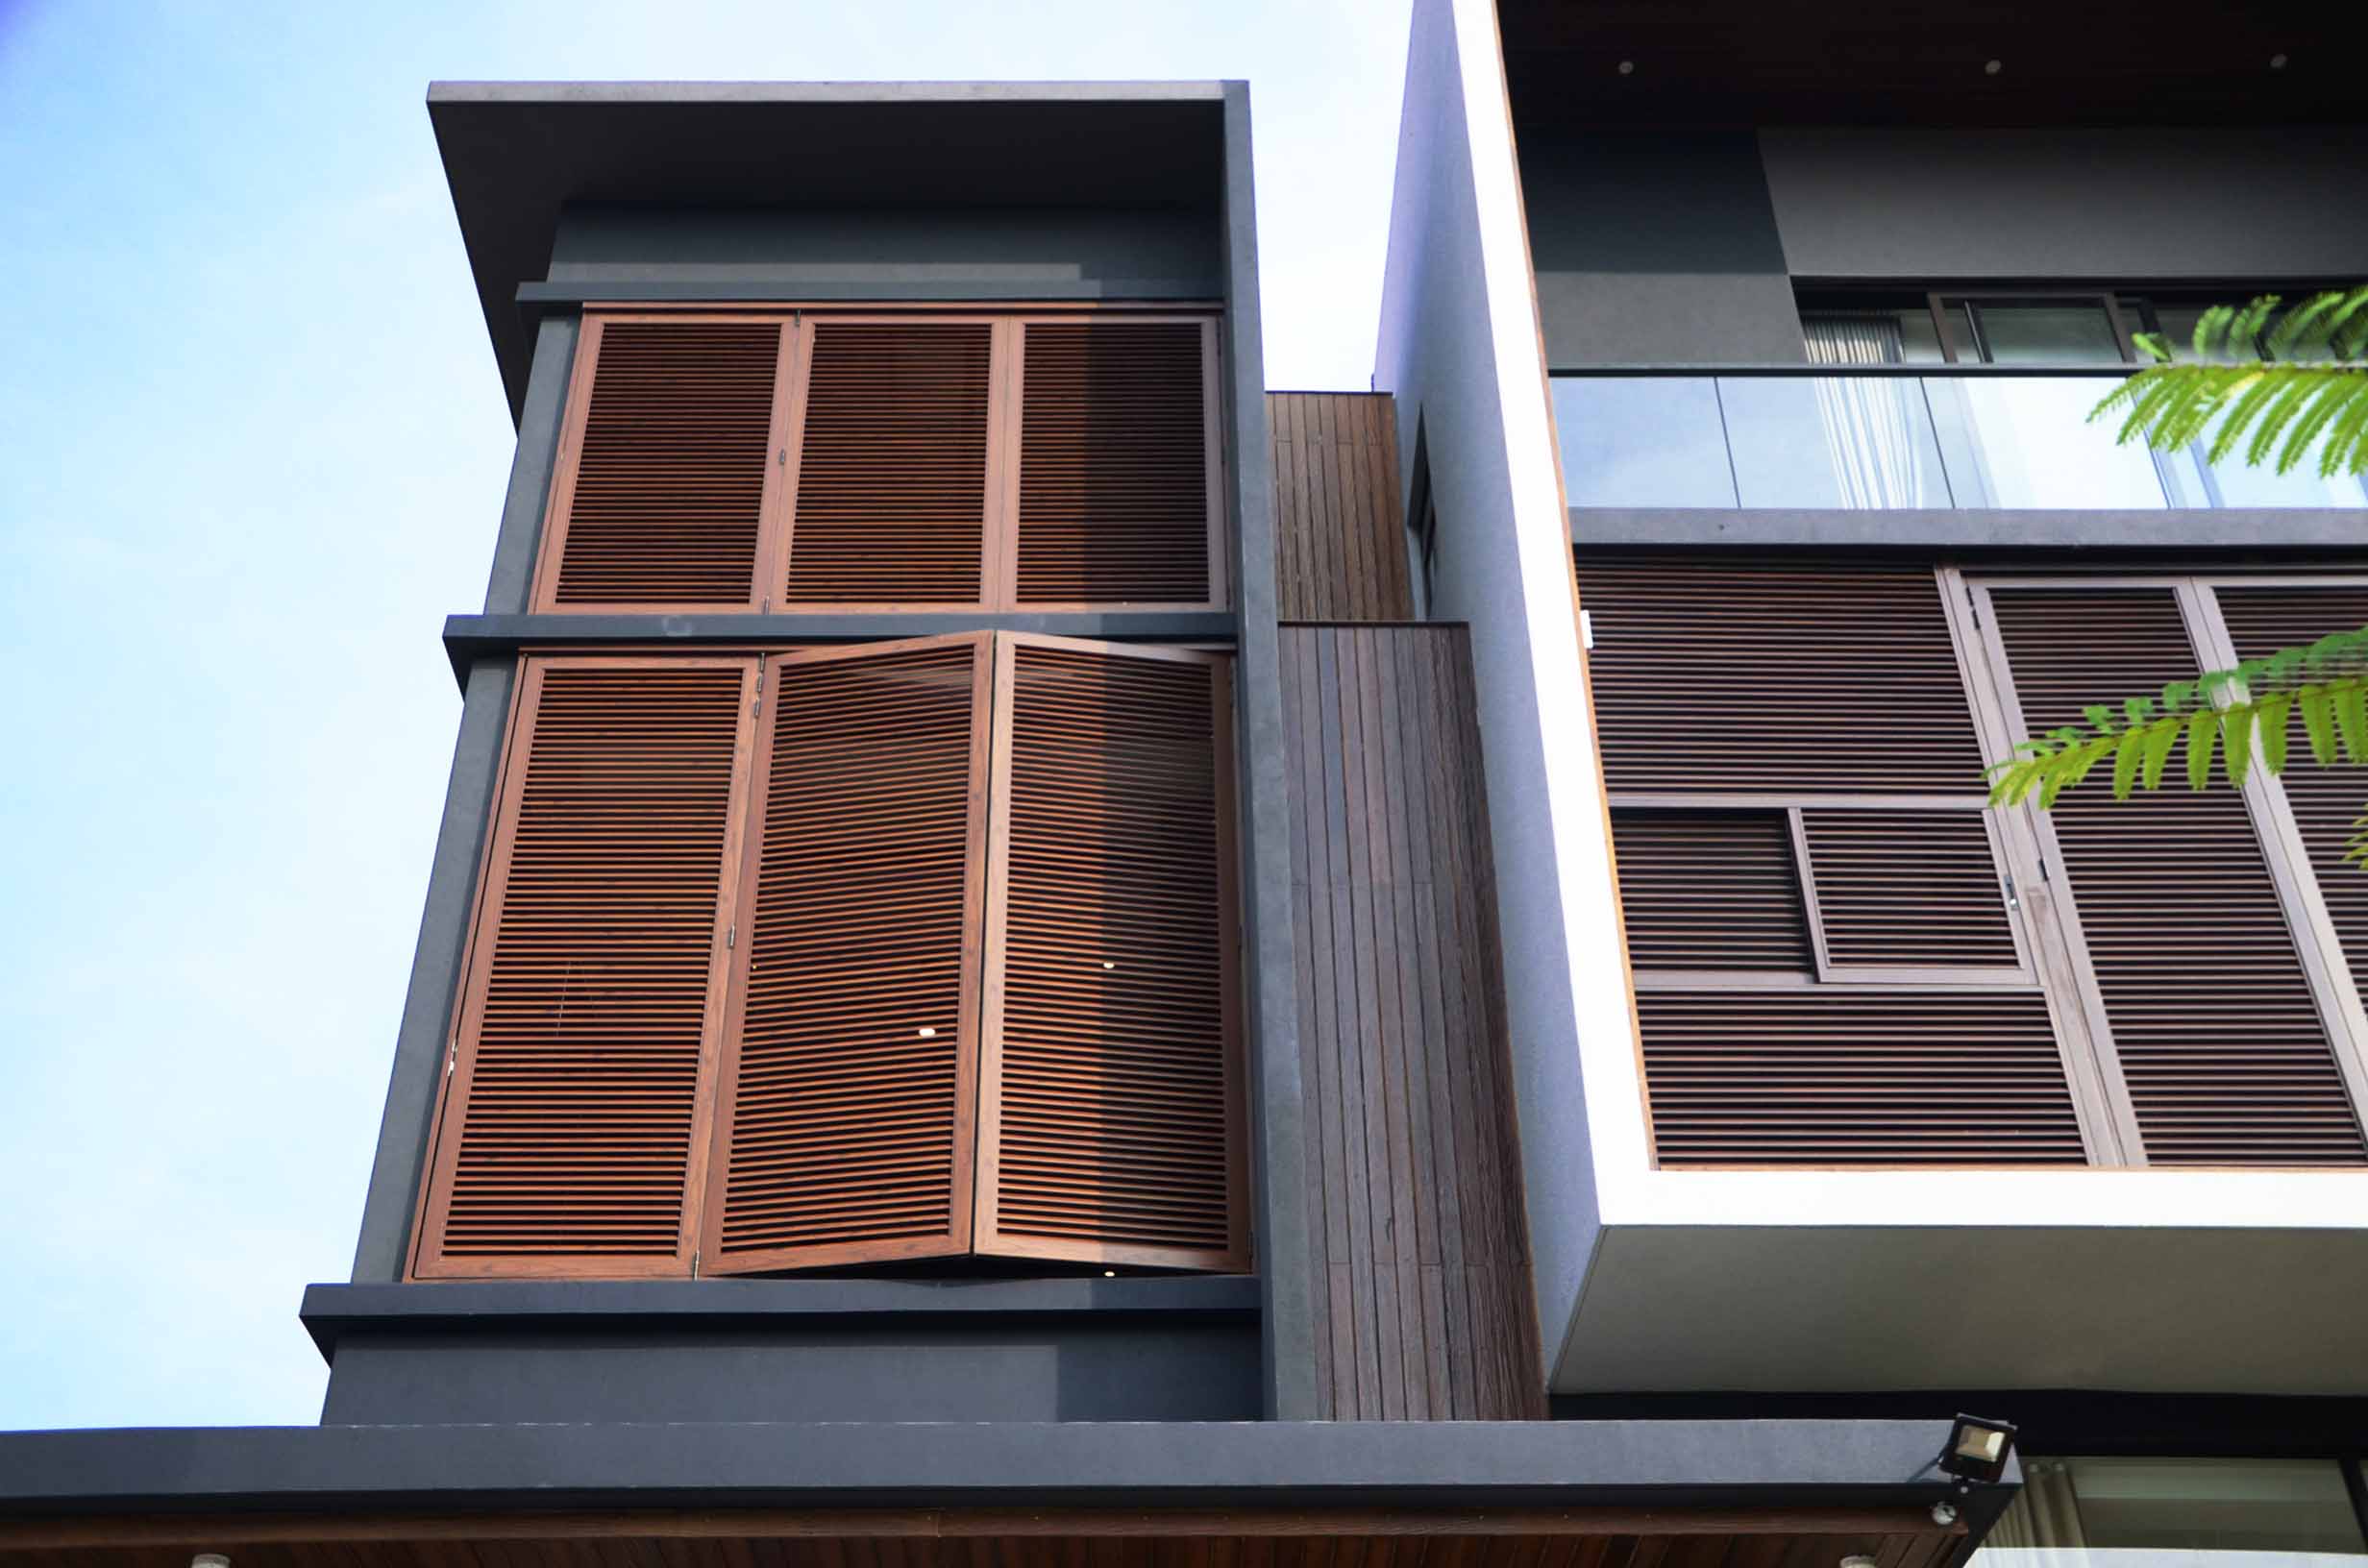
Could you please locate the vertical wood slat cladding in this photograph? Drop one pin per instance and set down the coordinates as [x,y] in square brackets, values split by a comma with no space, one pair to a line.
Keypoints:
[1836,1076]
[1825,677]
[1710,889]
[2325,800]
[1414,1172]
[1115,464]
[1340,550]
[1906,889]
[1109,1116]
[849,1055]
[2212,1016]
[567,1141]
[890,496]
[662,503]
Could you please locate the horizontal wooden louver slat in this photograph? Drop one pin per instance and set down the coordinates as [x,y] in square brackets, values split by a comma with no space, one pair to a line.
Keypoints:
[664,500]
[2218,1035]
[2325,800]
[1114,464]
[567,1141]
[892,472]
[1829,677]
[1840,1077]
[1908,888]
[848,1082]
[1109,1118]
[1710,889]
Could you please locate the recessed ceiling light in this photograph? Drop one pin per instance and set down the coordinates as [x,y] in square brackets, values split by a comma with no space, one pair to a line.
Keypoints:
[1627,67]
[2276,62]
[1991,67]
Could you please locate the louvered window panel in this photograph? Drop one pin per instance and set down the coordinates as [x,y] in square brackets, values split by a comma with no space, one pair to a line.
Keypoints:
[1832,678]
[2218,1034]
[848,1071]
[1710,889]
[1908,890]
[661,502]
[2325,800]
[1115,448]
[891,472]
[1108,1108]
[566,1142]
[1852,1077]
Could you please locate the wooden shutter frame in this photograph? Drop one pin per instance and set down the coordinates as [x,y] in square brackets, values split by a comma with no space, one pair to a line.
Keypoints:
[776,521]
[2271,819]
[959,1241]
[433,1199]
[989,1238]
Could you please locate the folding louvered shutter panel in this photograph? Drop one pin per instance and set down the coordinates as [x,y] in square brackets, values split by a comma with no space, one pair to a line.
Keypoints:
[2325,800]
[662,491]
[848,1076]
[1776,678]
[595,976]
[1109,1114]
[1908,890]
[2212,1017]
[892,469]
[1710,889]
[1113,503]
[1835,1076]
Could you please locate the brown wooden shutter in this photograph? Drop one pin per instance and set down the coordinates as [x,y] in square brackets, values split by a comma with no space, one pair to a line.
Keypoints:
[663,476]
[1109,1108]
[1710,889]
[2212,1016]
[892,479]
[848,1071]
[1908,890]
[1828,678]
[595,991]
[1117,489]
[2325,800]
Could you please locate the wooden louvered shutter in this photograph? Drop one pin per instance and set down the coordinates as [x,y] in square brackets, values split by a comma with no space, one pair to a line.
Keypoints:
[1110,1112]
[1117,499]
[1909,891]
[848,1070]
[892,481]
[1711,891]
[569,1134]
[2218,1034]
[664,483]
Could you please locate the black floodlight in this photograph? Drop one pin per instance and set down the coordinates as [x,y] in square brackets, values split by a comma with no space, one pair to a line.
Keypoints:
[1977,1450]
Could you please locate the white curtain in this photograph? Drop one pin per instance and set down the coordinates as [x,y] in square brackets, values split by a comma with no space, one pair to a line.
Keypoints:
[2044,1513]
[1871,422]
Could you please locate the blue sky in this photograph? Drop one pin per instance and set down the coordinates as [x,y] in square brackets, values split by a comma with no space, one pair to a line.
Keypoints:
[252,451]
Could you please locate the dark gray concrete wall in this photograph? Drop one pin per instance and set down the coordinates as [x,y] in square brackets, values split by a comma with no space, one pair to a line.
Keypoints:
[1165,253]
[2104,204]
[1655,246]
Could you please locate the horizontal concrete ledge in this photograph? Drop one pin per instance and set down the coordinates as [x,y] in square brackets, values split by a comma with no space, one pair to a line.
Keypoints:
[468,638]
[537,299]
[1404,1464]
[332,1311]
[2278,528]
[824,93]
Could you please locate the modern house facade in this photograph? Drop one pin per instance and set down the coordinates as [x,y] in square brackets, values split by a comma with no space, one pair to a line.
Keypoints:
[958,1016]
[1837,1092]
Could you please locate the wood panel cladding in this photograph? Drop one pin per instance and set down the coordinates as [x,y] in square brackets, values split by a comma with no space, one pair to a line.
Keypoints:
[1413,1170]
[1825,677]
[734,996]
[1340,542]
[2212,1016]
[577,1085]
[811,460]
[1109,1100]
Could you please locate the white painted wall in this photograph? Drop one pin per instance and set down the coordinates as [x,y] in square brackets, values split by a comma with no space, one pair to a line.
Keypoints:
[1459,346]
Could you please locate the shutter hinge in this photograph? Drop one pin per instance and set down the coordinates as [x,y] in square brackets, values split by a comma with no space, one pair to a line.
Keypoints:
[694,1266]
[731,934]
[2012,902]
[451,1061]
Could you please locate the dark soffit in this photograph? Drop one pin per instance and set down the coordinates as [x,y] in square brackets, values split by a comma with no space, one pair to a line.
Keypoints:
[1924,62]
[515,152]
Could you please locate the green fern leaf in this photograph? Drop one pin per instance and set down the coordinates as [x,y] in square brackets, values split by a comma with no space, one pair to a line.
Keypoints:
[2318,723]
[2236,743]
[2274,710]
[2351,718]
[2203,727]
[2158,743]
[2126,755]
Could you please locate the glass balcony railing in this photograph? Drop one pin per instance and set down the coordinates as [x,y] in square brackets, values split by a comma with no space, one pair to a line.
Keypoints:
[1876,439]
